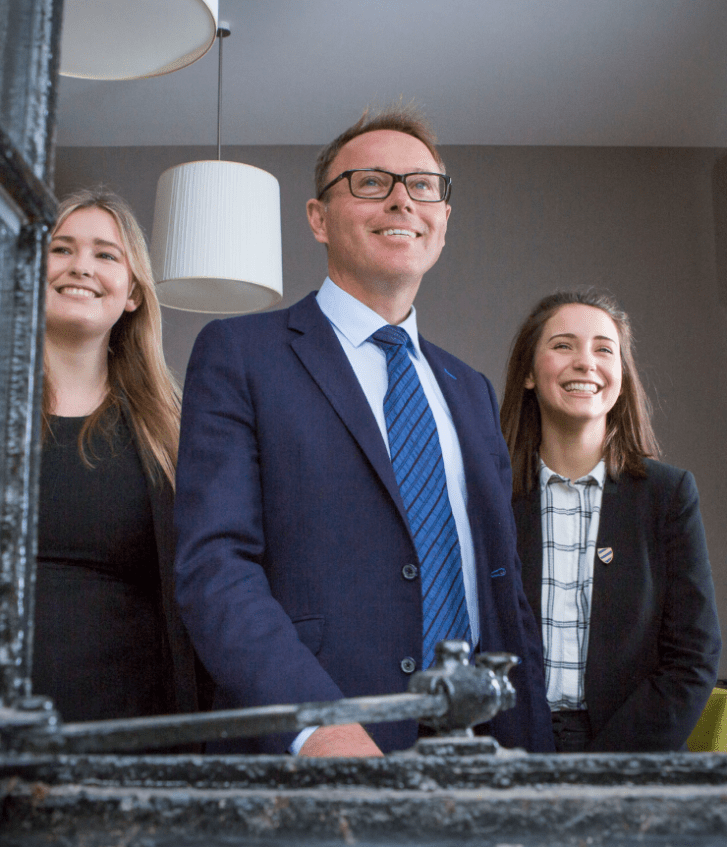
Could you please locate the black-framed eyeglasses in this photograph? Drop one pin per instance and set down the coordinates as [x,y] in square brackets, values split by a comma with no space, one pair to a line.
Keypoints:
[375,184]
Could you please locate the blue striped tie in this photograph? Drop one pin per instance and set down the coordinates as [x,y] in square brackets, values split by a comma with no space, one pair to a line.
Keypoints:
[419,469]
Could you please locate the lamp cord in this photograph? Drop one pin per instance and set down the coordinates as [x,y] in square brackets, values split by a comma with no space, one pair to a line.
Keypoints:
[219,98]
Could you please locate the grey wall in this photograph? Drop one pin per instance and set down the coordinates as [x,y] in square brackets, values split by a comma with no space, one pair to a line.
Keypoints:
[525,221]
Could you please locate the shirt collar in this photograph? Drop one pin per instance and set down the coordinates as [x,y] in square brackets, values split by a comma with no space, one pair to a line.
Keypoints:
[355,320]
[598,475]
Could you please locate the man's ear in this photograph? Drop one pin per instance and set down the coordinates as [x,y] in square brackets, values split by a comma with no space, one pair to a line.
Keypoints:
[316,211]
[446,220]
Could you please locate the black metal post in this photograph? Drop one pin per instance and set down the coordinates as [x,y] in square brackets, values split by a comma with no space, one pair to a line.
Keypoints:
[29,38]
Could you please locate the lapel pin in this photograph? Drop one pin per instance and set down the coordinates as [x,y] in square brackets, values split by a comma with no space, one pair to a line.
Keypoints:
[605,554]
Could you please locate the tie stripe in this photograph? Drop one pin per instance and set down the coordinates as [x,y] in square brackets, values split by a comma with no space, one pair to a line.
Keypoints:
[416,457]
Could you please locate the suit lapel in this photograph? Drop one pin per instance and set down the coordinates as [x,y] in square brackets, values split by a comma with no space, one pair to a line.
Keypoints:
[449,386]
[469,427]
[316,345]
[607,574]
[608,582]
[488,502]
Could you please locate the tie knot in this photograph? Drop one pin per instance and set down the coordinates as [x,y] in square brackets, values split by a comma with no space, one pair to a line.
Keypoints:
[390,335]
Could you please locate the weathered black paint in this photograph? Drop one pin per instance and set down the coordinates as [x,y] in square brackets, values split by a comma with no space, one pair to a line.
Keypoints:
[29,37]
[403,799]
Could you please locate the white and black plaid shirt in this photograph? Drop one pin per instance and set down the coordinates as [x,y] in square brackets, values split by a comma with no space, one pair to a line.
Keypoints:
[570,513]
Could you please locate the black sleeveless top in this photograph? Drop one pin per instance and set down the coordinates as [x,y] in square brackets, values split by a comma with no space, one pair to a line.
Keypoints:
[99,633]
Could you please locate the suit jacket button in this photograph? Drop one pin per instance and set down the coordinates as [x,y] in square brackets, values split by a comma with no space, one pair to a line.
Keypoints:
[409,571]
[408,665]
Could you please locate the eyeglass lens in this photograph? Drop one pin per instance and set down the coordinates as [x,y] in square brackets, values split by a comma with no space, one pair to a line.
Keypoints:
[423,187]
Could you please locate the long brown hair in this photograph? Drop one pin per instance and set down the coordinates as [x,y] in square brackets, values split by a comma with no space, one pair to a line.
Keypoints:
[140,383]
[629,433]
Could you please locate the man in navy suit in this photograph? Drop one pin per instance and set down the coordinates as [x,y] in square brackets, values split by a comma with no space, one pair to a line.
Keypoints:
[297,571]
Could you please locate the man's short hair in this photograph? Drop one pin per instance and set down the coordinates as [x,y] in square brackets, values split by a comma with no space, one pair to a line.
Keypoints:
[407,119]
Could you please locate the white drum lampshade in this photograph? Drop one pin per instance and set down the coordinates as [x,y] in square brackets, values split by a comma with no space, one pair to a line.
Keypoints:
[131,39]
[216,243]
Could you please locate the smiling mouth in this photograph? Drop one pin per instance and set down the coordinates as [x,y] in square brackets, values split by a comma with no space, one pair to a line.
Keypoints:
[77,291]
[589,387]
[402,233]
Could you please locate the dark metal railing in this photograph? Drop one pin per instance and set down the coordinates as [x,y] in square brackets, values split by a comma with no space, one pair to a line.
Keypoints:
[451,697]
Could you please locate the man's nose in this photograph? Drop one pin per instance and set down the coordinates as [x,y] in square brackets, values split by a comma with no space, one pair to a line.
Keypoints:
[399,197]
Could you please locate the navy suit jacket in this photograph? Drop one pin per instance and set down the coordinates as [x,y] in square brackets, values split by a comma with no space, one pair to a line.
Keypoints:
[654,639]
[292,534]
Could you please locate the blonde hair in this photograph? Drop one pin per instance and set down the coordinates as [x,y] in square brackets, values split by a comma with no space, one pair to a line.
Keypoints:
[140,383]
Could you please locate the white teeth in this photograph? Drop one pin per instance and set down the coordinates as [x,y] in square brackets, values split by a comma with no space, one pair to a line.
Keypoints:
[581,386]
[406,232]
[81,292]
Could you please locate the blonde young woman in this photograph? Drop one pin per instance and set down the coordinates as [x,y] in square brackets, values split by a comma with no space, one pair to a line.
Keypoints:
[611,541]
[108,641]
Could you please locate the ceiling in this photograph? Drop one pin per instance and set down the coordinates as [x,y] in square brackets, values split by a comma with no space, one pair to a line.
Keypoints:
[540,72]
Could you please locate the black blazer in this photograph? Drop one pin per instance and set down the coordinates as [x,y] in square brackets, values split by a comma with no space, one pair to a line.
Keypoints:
[654,639]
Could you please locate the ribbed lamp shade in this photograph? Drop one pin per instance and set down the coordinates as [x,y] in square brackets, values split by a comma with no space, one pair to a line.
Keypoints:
[216,245]
[130,39]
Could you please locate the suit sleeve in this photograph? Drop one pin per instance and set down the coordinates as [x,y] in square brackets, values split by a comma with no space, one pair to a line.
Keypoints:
[242,634]
[664,707]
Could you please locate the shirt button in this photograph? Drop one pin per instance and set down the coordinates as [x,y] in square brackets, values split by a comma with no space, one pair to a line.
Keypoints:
[409,571]
[408,665]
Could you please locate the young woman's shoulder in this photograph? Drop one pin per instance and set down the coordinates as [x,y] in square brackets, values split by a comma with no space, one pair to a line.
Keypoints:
[664,480]
[664,473]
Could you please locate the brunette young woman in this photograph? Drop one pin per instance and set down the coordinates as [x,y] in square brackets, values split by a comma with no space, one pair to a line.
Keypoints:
[108,640]
[611,541]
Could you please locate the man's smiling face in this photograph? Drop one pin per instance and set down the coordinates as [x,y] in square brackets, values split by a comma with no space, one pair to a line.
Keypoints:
[372,243]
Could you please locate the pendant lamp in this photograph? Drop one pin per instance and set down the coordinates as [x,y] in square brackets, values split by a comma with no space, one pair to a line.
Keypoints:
[216,244]
[131,39]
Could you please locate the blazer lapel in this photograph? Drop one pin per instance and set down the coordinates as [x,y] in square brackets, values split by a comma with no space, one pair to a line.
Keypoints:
[470,428]
[448,383]
[468,425]
[608,585]
[316,345]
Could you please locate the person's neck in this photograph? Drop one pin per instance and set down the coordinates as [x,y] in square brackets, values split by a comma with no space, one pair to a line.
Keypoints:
[571,453]
[78,374]
[392,299]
